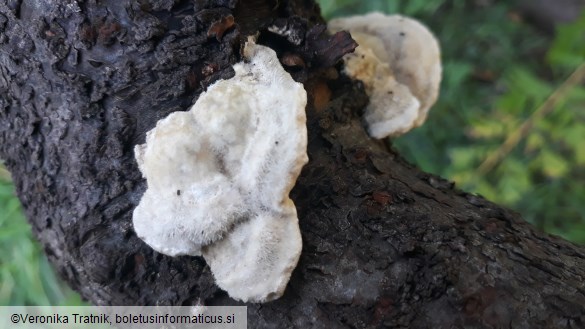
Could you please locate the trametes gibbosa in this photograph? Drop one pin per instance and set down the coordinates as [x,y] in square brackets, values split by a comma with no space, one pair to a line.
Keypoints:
[399,61]
[220,174]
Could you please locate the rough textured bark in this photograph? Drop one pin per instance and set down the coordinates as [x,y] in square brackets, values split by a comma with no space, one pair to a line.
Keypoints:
[385,245]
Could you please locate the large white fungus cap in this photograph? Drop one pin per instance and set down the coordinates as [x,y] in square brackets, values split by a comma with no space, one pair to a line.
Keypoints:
[219,178]
[399,61]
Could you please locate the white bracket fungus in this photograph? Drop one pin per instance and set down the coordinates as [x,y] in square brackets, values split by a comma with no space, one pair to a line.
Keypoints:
[220,174]
[399,61]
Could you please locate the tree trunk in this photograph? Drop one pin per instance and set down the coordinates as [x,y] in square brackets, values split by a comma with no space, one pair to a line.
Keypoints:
[384,244]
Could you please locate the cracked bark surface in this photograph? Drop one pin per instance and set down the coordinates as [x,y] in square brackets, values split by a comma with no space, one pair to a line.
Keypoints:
[384,244]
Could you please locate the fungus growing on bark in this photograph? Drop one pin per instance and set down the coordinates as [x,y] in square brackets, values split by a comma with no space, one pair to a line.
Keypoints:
[398,60]
[220,174]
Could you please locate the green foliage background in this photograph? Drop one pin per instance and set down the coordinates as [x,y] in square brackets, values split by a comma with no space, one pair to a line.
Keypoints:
[498,70]
[26,277]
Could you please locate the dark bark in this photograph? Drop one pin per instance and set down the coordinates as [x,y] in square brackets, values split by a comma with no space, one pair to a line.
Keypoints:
[385,245]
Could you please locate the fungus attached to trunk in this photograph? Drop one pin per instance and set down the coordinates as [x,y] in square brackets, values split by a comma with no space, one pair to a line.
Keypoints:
[220,174]
[398,60]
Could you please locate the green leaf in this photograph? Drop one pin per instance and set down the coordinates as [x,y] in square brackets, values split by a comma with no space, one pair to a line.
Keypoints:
[568,48]
[534,142]
[487,129]
[553,165]
[463,157]
[525,82]
[513,180]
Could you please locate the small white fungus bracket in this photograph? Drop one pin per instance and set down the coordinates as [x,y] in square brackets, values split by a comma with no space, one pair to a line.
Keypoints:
[219,178]
[399,61]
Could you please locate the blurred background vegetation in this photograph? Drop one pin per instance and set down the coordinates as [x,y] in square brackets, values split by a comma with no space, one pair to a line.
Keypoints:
[26,277]
[510,120]
[509,125]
